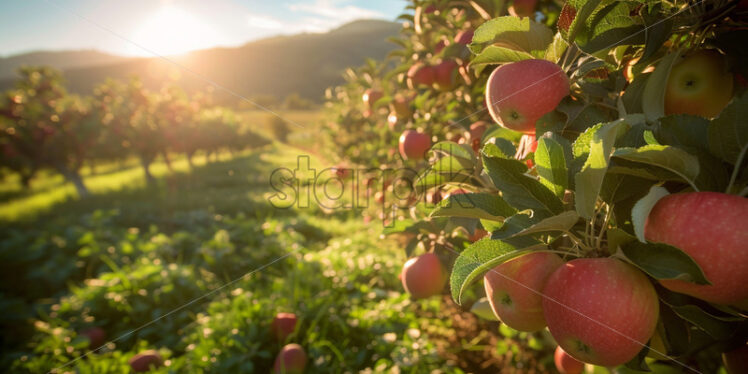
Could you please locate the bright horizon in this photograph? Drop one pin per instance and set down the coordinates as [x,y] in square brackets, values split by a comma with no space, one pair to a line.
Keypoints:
[142,28]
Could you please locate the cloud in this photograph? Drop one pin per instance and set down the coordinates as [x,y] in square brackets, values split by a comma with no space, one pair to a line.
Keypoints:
[264,22]
[332,13]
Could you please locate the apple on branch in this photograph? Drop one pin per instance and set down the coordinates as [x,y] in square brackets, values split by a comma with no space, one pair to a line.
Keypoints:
[514,289]
[712,228]
[424,276]
[518,94]
[600,310]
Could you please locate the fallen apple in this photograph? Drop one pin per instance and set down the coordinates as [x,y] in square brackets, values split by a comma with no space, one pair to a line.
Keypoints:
[291,360]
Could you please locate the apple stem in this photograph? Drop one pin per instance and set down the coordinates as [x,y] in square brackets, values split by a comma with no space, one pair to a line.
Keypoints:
[608,213]
[735,171]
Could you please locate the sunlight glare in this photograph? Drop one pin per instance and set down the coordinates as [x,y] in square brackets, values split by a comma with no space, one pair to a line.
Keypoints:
[173,31]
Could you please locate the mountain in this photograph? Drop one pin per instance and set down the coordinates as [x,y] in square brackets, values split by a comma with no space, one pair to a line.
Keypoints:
[305,63]
[58,59]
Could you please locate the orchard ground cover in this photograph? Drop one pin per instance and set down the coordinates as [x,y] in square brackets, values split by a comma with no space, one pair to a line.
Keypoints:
[130,253]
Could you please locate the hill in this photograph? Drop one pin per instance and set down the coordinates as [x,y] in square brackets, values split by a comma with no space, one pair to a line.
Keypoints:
[58,59]
[304,63]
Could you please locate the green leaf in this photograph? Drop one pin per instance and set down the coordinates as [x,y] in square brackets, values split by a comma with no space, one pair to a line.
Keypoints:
[642,208]
[520,190]
[559,223]
[522,34]
[453,149]
[474,205]
[658,31]
[431,179]
[482,309]
[451,165]
[479,258]
[551,166]
[617,238]
[713,322]
[685,131]
[728,133]
[584,10]
[556,49]
[497,54]
[581,146]
[653,97]
[662,261]
[672,159]
[589,180]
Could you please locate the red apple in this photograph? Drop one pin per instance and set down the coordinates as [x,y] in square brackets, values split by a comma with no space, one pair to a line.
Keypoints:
[712,228]
[439,47]
[699,84]
[414,145]
[565,364]
[518,94]
[477,130]
[424,276]
[514,289]
[736,361]
[145,361]
[478,234]
[370,97]
[464,37]
[600,310]
[421,74]
[283,325]
[291,360]
[523,8]
[434,197]
[446,74]
[96,337]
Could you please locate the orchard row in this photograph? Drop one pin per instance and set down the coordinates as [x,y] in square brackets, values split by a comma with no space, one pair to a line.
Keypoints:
[44,127]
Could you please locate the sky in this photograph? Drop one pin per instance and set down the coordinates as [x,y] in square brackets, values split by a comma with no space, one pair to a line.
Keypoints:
[167,27]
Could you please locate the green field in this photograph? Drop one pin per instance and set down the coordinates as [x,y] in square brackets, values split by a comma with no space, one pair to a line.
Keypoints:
[197,266]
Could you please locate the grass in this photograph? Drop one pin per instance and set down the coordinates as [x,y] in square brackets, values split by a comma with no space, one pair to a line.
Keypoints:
[131,253]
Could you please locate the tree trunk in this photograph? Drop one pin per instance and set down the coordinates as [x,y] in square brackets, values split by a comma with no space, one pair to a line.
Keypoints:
[189,159]
[167,160]
[26,180]
[92,166]
[74,177]
[146,162]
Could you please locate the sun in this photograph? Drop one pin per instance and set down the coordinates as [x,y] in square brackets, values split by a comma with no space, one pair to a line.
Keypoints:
[172,31]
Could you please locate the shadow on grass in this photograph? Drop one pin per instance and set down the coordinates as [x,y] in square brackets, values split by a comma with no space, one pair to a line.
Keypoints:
[222,187]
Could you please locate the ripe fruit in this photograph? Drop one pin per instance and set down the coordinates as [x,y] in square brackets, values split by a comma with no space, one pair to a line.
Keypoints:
[424,276]
[439,47]
[283,325]
[464,37]
[370,97]
[446,74]
[736,361]
[712,228]
[600,310]
[414,145]
[523,8]
[96,337]
[291,360]
[514,289]
[434,197]
[699,84]
[478,234]
[145,361]
[518,94]
[477,130]
[565,364]
[421,74]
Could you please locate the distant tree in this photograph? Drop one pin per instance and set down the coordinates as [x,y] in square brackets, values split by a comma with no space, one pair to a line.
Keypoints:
[279,128]
[44,127]
[296,102]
